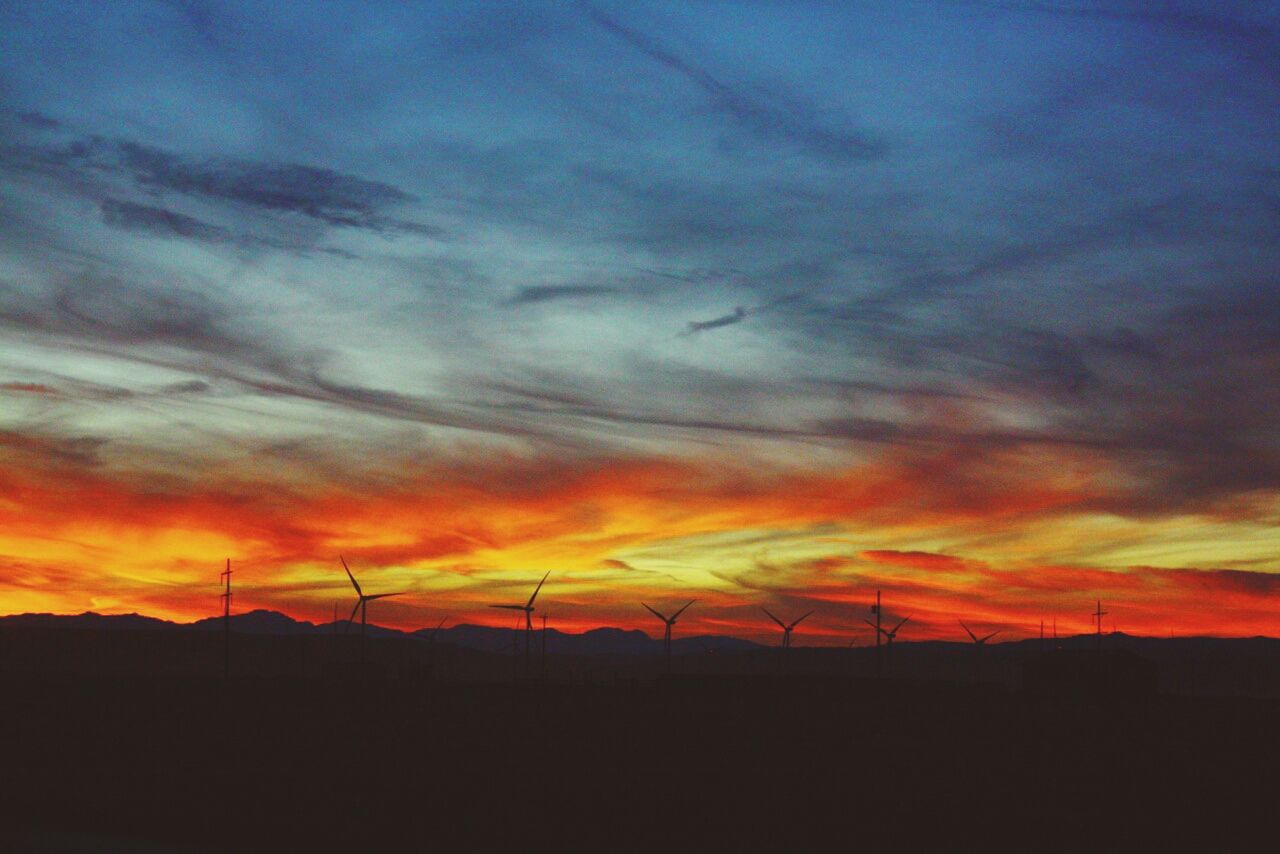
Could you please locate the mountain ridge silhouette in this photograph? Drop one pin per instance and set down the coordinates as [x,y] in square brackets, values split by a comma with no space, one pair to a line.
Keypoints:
[605,640]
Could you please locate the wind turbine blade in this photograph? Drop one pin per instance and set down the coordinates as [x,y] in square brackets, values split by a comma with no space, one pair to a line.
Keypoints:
[972,636]
[352,618]
[655,613]
[354,583]
[990,636]
[510,607]
[536,589]
[802,619]
[775,619]
[681,611]
[384,595]
[873,625]
[900,625]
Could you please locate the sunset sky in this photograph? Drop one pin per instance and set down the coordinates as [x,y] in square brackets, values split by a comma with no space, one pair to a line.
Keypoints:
[763,304]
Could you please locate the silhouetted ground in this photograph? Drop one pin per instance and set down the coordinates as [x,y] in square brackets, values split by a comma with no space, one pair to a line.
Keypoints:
[770,759]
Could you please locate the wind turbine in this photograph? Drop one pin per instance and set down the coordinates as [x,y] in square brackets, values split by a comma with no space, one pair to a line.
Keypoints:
[889,634]
[436,630]
[431,643]
[528,618]
[666,634]
[980,641]
[786,629]
[362,604]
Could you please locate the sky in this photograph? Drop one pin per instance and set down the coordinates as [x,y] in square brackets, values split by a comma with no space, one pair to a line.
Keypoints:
[760,304]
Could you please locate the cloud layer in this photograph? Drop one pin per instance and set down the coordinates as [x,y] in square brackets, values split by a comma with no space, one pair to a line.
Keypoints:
[973,301]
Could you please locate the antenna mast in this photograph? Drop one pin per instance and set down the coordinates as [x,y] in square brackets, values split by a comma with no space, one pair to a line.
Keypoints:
[225,576]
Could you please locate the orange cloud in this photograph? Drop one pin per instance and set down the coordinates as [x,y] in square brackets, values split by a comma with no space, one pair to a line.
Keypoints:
[81,527]
[917,560]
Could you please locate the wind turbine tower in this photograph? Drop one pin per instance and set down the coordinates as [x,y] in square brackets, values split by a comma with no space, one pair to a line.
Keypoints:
[362,605]
[527,608]
[787,628]
[982,641]
[668,623]
[889,634]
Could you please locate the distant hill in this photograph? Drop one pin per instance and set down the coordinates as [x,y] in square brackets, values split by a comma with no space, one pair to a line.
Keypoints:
[614,641]
[259,622]
[602,641]
[88,620]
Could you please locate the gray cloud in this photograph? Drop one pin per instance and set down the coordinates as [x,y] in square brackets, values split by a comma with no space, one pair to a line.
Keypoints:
[324,195]
[187,387]
[547,293]
[738,315]
[160,221]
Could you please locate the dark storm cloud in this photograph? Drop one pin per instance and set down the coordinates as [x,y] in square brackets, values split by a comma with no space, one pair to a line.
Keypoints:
[771,116]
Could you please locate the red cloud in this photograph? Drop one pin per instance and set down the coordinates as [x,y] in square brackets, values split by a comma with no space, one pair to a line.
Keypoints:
[29,388]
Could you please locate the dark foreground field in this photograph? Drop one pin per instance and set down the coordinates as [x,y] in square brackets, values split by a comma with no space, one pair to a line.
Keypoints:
[699,764]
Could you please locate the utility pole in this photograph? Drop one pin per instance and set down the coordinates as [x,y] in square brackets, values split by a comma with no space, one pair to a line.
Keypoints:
[875,609]
[226,621]
[1098,615]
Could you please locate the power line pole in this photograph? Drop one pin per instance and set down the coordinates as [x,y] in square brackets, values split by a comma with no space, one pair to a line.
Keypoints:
[544,646]
[1098,615]
[875,609]
[226,621]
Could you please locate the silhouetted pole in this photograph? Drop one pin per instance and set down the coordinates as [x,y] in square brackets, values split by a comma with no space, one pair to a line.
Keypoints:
[1098,615]
[875,609]
[544,646]
[226,622]
[1042,637]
